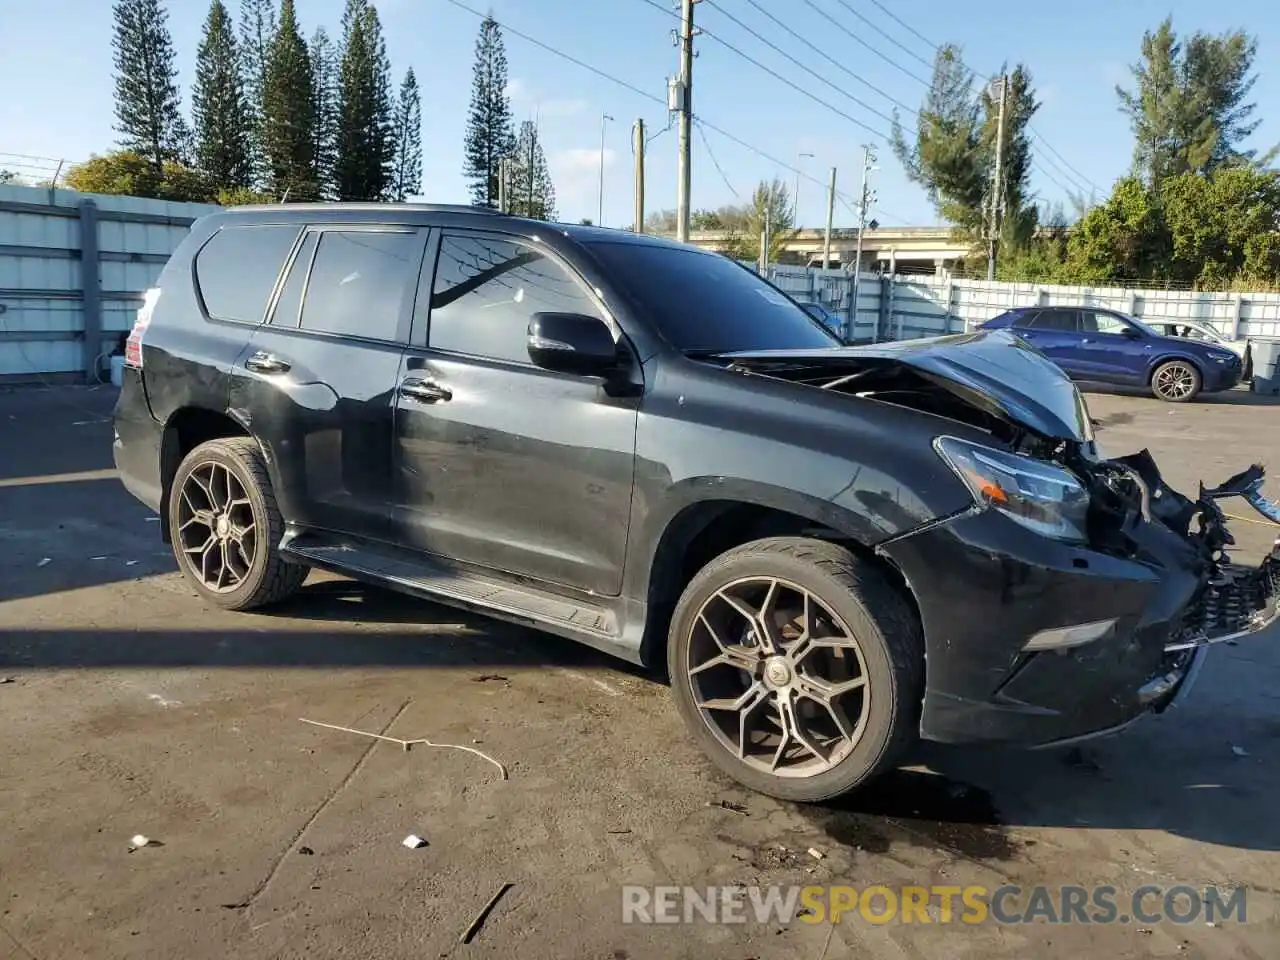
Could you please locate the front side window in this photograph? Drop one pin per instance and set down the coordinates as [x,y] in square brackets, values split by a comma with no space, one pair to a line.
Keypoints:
[1096,322]
[358,283]
[486,290]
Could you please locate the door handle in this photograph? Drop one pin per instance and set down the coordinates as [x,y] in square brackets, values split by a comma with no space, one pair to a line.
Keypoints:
[264,362]
[425,391]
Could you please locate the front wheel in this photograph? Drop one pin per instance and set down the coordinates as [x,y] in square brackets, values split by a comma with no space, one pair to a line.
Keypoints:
[1175,381]
[225,526]
[797,667]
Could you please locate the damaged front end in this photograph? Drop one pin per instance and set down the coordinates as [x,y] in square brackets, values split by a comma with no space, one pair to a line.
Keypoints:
[1234,600]
[1080,591]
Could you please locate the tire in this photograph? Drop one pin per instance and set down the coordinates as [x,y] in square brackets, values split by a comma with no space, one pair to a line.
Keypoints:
[264,575]
[1176,381]
[850,597]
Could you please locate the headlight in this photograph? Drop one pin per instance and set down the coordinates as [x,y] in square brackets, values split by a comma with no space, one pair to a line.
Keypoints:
[1038,495]
[1222,357]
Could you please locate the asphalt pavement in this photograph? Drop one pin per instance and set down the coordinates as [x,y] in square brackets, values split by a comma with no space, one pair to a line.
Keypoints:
[133,708]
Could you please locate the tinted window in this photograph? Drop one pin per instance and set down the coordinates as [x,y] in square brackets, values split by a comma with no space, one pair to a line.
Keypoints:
[289,304]
[358,282]
[1095,322]
[237,270]
[1056,320]
[704,301]
[487,289]
[1024,318]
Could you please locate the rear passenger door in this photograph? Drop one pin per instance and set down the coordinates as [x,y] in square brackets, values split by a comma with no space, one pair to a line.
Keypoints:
[317,382]
[1055,332]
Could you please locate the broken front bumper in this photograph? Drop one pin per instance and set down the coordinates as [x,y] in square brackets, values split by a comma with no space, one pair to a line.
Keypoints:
[986,586]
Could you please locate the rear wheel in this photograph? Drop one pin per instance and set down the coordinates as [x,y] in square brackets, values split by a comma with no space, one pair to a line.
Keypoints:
[226,526]
[1176,381]
[797,667]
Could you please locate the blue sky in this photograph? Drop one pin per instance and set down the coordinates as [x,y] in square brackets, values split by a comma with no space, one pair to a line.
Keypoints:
[55,69]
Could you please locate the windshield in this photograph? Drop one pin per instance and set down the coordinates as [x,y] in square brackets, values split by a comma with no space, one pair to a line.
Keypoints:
[706,303]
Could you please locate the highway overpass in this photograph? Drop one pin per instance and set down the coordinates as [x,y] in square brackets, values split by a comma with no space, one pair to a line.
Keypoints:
[908,249]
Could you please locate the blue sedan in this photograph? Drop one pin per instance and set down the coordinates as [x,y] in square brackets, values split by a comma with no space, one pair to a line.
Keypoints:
[1105,346]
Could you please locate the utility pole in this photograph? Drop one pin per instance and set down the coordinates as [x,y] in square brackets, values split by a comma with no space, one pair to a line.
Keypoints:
[503,202]
[533,139]
[865,197]
[683,96]
[831,212]
[638,147]
[600,207]
[764,237]
[997,191]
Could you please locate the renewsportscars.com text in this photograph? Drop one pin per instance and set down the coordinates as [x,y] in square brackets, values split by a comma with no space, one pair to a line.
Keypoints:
[972,904]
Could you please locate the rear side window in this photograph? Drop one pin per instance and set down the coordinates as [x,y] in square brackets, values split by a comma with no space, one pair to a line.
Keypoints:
[487,289]
[289,304]
[1055,320]
[358,283]
[237,270]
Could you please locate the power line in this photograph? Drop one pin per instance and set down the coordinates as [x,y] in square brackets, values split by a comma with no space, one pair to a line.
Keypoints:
[1075,184]
[1079,179]
[1039,136]
[829,58]
[564,56]
[902,23]
[601,73]
[715,163]
[773,73]
[857,39]
[773,46]
[910,53]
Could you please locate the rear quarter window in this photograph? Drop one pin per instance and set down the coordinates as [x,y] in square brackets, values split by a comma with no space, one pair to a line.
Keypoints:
[236,270]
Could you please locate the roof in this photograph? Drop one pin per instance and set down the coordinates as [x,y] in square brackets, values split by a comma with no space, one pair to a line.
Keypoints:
[583,233]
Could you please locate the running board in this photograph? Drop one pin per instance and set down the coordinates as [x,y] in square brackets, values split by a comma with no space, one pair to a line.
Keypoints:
[433,579]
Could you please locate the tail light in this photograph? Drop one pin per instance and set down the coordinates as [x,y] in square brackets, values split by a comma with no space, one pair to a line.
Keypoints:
[133,345]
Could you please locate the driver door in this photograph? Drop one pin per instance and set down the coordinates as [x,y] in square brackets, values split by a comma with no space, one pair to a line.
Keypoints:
[498,462]
[1115,351]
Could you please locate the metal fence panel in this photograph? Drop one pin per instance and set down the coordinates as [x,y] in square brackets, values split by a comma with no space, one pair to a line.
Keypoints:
[58,313]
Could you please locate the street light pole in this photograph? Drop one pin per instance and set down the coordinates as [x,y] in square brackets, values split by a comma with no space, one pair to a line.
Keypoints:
[600,207]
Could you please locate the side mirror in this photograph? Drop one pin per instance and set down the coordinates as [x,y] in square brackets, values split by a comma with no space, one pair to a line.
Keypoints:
[572,343]
[1132,333]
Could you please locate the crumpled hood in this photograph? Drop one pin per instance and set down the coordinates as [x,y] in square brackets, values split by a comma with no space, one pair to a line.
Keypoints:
[991,369]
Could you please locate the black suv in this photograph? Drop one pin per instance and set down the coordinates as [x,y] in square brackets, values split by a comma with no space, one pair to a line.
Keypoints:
[650,449]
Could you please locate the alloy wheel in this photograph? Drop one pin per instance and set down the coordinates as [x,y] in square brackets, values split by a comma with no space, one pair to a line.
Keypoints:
[778,677]
[216,527]
[1176,381]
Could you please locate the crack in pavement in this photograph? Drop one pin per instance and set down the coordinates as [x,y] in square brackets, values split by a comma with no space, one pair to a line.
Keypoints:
[17,943]
[247,903]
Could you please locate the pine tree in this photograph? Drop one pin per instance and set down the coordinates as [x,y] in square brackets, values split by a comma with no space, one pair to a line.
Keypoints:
[148,105]
[257,29]
[489,135]
[366,148]
[324,69]
[218,108]
[407,179]
[1189,111]
[530,191]
[288,112]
